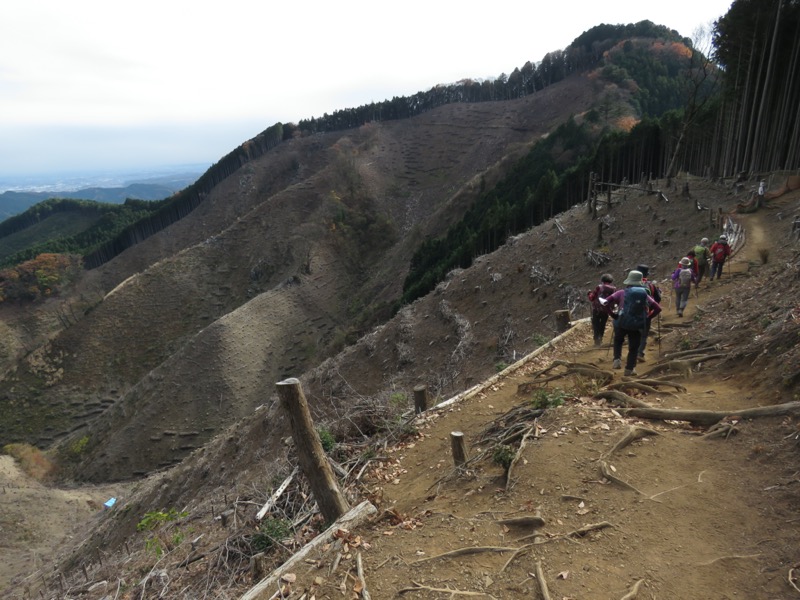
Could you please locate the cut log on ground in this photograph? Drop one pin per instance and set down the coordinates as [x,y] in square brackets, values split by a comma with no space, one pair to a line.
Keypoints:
[710,417]
[353,518]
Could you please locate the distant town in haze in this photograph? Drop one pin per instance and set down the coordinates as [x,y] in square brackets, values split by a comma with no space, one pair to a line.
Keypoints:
[77,180]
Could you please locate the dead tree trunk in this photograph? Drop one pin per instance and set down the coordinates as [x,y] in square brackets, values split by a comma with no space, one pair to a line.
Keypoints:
[310,454]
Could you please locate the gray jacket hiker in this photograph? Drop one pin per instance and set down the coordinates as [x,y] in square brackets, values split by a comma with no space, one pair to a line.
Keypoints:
[682,279]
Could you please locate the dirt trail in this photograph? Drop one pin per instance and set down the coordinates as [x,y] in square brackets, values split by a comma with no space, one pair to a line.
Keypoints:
[687,516]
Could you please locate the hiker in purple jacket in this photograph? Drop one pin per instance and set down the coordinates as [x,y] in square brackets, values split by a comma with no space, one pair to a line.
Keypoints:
[600,312]
[635,307]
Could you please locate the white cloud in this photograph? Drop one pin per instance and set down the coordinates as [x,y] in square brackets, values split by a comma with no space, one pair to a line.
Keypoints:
[117,68]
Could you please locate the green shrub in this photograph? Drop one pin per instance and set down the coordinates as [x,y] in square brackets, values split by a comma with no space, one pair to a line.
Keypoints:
[270,532]
[326,439]
[543,398]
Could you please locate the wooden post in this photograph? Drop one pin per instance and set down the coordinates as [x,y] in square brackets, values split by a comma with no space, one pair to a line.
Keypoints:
[562,320]
[420,399]
[311,456]
[459,448]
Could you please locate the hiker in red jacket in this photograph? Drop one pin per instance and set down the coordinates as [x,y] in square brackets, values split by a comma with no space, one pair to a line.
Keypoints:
[720,251]
[600,312]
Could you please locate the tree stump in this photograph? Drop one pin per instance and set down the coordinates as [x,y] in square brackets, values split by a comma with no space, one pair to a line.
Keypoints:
[563,318]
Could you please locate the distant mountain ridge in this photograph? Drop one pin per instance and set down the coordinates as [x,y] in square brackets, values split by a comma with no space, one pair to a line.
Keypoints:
[14,202]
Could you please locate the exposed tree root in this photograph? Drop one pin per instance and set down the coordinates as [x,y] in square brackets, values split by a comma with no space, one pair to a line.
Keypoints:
[649,383]
[418,587]
[519,552]
[683,353]
[731,556]
[542,581]
[721,429]
[524,521]
[684,366]
[517,456]
[607,473]
[710,417]
[621,398]
[583,369]
[634,591]
[634,433]
[792,580]
[464,552]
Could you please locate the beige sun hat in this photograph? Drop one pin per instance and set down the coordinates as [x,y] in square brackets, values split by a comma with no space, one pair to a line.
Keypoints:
[685,261]
[633,278]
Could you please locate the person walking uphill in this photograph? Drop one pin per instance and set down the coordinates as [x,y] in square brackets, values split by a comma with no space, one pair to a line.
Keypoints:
[682,279]
[635,306]
[655,293]
[600,313]
[703,255]
[720,251]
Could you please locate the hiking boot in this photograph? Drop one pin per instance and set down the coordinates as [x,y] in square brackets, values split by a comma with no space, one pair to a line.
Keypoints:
[631,373]
[617,363]
[640,358]
[598,342]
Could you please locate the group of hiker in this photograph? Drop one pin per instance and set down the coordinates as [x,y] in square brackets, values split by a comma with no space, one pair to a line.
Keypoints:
[633,307]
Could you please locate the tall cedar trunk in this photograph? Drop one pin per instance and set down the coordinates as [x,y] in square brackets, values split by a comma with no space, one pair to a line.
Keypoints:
[756,159]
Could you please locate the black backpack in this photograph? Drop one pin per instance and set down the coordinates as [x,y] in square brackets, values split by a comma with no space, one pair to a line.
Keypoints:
[633,314]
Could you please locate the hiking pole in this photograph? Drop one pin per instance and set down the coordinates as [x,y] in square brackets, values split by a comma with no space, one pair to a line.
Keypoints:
[658,323]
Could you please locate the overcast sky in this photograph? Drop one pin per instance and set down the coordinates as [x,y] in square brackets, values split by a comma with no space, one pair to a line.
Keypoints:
[98,84]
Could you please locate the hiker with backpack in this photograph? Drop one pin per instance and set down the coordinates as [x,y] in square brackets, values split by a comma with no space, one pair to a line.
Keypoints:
[682,279]
[635,307]
[655,293]
[600,312]
[703,255]
[720,251]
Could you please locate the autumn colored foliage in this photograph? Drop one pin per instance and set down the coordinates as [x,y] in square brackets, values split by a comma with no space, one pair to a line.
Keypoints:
[38,278]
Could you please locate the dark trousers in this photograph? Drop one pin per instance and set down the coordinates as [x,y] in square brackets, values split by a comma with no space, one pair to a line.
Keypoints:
[634,339]
[702,269]
[645,333]
[716,269]
[599,321]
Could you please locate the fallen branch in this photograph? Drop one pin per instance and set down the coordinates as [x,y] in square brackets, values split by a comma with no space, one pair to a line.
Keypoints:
[464,552]
[541,580]
[634,591]
[272,499]
[418,587]
[353,518]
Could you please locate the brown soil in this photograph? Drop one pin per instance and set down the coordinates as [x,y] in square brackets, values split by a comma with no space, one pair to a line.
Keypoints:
[688,516]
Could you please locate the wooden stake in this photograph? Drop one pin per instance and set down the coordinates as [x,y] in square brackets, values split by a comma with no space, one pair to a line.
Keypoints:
[310,454]
[459,447]
[420,399]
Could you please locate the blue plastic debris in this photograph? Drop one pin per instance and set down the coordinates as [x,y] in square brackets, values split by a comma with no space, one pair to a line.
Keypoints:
[110,502]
